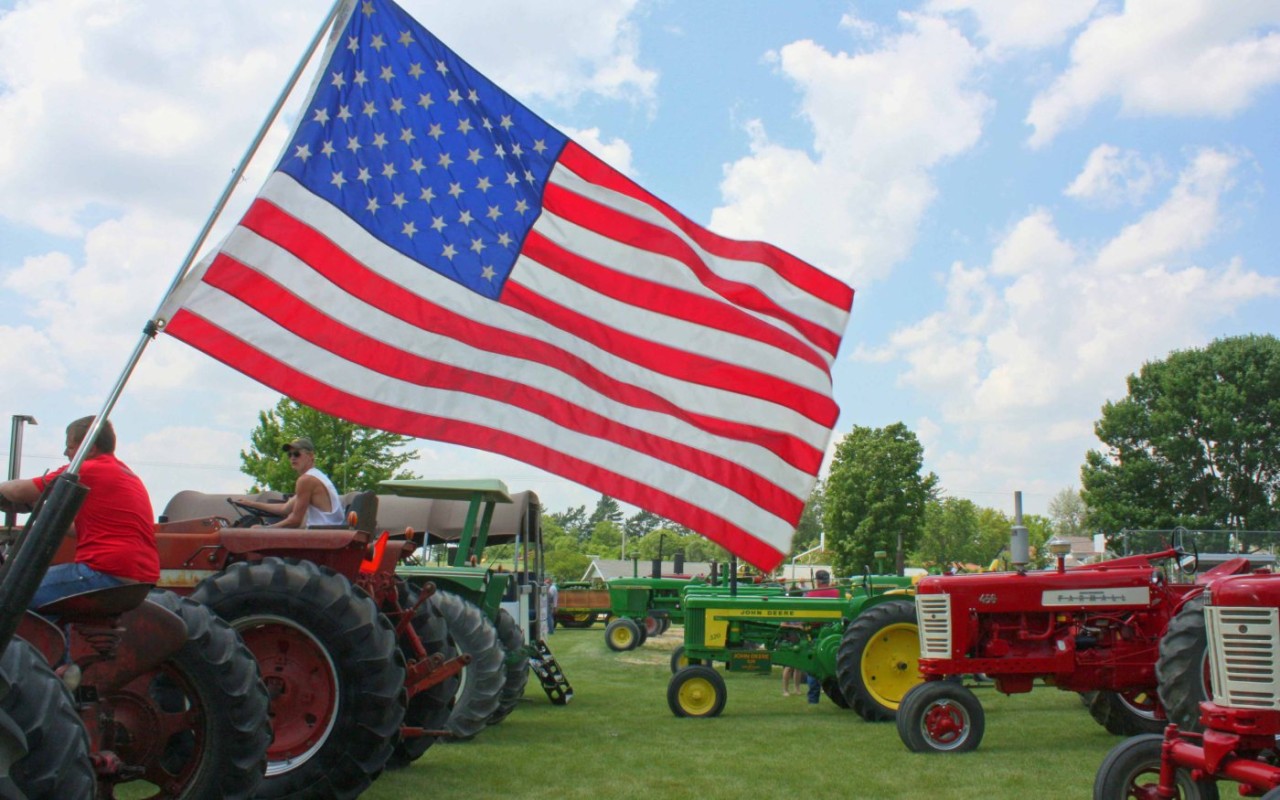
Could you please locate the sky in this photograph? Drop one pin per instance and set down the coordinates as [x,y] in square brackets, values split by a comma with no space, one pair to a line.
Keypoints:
[1032,199]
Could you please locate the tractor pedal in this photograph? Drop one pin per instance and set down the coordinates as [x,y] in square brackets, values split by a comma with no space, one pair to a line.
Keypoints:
[552,678]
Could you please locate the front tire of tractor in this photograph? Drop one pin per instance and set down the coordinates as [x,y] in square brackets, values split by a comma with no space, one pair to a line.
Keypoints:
[56,763]
[679,662]
[622,634]
[652,627]
[430,708]
[1182,669]
[940,717]
[482,680]
[831,688]
[198,725]
[332,669]
[697,691]
[1126,714]
[877,663]
[1132,769]
[517,672]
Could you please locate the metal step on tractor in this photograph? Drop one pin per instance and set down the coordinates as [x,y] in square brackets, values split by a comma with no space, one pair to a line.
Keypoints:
[1234,635]
[862,646]
[1094,629]
[505,608]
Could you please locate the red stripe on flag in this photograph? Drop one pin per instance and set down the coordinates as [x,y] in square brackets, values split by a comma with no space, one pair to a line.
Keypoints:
[327,259]
[645,236]
[294,314]
[795,271]
[221,345]
[659,298]
[682,364]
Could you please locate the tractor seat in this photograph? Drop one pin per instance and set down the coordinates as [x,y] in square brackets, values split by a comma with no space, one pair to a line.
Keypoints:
[98,603]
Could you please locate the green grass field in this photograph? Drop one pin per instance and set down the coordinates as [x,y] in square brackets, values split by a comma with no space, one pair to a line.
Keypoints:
[618,739]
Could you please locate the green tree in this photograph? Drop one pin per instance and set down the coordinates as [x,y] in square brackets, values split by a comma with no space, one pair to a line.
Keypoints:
[1069,513]
[875,496]
[1196,442]
[354,457]
[809,528]
[642,523]
[573,522]
[605,541]
[607,510]
[950,533]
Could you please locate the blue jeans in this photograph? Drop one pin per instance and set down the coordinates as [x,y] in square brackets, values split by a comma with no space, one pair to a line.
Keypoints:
[815,687]
[64,580]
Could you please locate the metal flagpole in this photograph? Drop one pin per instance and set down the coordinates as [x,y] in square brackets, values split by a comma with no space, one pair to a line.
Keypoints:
[150,330]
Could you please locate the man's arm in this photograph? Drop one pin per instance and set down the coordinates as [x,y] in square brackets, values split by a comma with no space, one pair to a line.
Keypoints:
[19,495]
[296,508]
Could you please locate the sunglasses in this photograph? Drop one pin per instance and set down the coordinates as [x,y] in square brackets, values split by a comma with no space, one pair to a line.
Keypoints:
[295,454]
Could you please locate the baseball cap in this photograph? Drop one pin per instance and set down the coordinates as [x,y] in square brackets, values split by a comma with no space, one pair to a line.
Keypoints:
[301,443]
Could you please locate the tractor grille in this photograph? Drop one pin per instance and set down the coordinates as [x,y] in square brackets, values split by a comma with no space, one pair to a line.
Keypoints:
[1243,658]
[933,612]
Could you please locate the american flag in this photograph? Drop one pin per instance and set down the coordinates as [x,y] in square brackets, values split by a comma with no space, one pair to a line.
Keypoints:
[432,258]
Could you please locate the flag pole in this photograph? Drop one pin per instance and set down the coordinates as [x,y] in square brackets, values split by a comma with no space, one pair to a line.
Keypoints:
[150,330]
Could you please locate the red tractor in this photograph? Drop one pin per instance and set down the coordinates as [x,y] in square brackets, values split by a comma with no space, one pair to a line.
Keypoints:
[130,687]
[1240,724]
[1092,629]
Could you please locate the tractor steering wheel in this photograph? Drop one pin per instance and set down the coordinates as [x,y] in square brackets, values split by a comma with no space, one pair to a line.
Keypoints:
[249,517]
[1190,562]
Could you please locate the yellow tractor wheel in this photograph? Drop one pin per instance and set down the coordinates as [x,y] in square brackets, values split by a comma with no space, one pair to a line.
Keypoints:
[696,691]
[622,634]
[878,660]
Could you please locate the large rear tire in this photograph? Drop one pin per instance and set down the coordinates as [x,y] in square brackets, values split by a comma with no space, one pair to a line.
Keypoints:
[333,673]
[516,668]
[430,708]
[198,724]
[56,763]
[482,680]
[1132,769]
[1182,669]
[1127,713]
[878,660]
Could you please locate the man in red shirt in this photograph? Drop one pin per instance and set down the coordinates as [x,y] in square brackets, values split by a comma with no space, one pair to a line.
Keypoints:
[822,579]
[114,529]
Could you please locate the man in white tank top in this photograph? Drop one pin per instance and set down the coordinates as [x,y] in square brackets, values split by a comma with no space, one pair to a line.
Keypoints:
[315,500]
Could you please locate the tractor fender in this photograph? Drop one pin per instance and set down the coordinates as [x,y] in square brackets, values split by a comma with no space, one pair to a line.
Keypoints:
[44,636]
[150,635]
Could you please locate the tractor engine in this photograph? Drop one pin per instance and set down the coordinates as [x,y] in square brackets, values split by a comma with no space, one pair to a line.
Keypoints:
[1082,629]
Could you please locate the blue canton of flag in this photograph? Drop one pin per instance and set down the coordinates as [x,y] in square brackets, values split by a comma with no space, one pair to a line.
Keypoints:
[422,151]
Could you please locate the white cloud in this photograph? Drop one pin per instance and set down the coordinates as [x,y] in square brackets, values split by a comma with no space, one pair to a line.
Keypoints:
[1190,58]
[1021,25]
[880,119]
[1184,222]
[615,152]
[1024,351]
[1111,177]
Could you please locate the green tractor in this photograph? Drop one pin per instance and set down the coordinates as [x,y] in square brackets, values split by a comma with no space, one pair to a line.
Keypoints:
[862,646]
[494,616]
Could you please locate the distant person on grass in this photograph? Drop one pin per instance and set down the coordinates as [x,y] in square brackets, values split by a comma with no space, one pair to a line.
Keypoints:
[553,597]
[822,579]
[315,501]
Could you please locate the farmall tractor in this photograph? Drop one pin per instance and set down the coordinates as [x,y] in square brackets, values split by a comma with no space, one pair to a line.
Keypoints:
[1094,629]
[129,687]
[367,664]
[1235,737]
